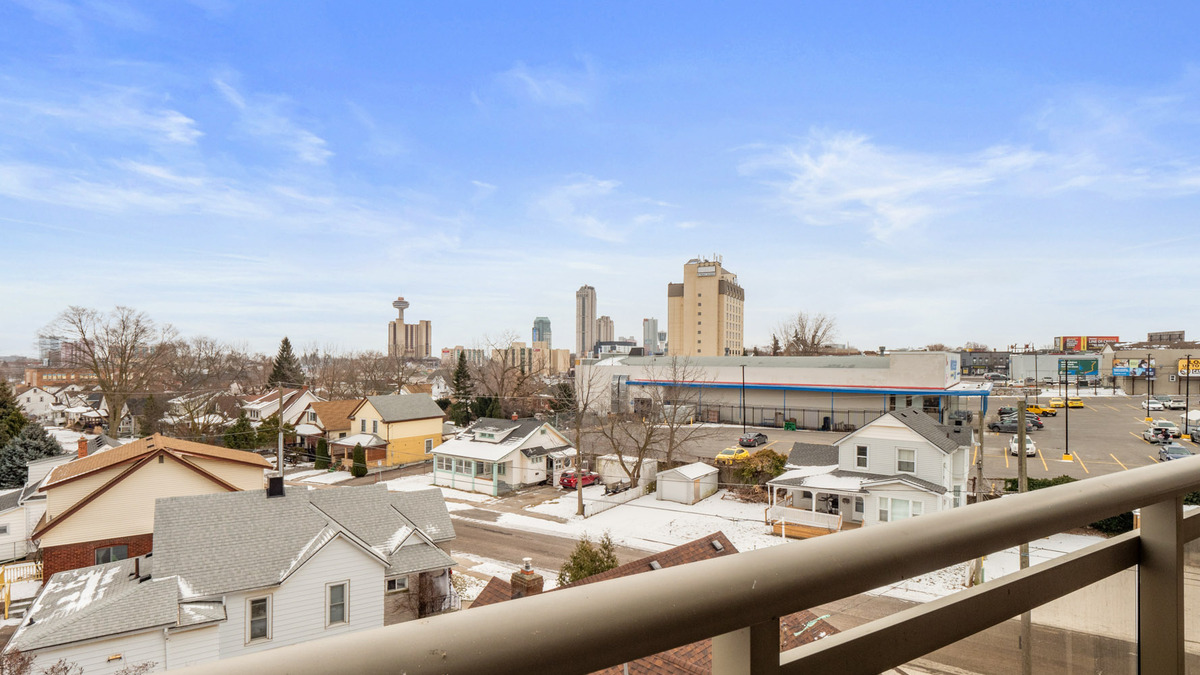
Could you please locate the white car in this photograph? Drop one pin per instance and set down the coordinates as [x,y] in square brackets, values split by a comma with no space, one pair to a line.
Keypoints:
[1152,405]
[1030,448]
[1175,404]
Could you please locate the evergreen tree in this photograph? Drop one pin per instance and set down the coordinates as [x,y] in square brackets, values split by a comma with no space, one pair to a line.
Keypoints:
[31,443]
[359,468]
[776,348]
[286,370]
[481,407]
[322,461]
[268,433]
[443,403]
[241,434]
[494,410]
[564,398]
[589,559]
[459,413]
[461,384]
[153,411]
[12,420]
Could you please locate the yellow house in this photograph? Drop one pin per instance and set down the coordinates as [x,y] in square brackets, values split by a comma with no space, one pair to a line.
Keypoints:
[410,424]
[100,507]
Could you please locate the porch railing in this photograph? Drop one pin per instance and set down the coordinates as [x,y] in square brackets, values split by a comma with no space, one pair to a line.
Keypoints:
[439,604]
[793,516]
[632,617]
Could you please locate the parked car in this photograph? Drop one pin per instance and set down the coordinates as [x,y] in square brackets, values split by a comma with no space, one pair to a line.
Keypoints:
[1161,431]
[569,481]
[995,377]
[1057,402]
[1152,405]
[1170,451]
[1049,380]
[752,440]
[1074,402]
[1014,443]
[1041,410]
[1175,404]
[1030,419]
[1161,398]
[1008,425]
[731,455]
[960,414]
[1007,410]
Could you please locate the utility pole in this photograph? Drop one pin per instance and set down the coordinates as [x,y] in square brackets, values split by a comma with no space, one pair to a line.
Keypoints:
[744,399]
[1022,487]
[977,574]
[1187,397]
[279,457]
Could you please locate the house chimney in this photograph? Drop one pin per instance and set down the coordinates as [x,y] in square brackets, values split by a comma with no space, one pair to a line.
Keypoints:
[525,581]
[275,486]
[82,447]
[514,417]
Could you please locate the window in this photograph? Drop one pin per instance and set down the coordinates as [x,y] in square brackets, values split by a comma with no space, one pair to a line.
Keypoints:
[336,595]
[860,457]
[3,530]
[259,625]
[445,463]
[429,446]
[906,460]
[374,426]
[859,506]
[500,469]
[312,416]
[109,554]
[362,426]
[898,509]
[397,585]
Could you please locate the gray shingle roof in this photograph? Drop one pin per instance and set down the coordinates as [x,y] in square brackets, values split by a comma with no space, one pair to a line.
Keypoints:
[10,499]
[404,407]
[927,427]
[414,558]
[911,480]
[812,454]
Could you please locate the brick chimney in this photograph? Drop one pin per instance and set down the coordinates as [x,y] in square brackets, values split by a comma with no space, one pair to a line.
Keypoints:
[82,447]
[525,581]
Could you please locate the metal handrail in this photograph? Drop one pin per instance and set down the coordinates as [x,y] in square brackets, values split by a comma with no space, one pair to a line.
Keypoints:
[632,617]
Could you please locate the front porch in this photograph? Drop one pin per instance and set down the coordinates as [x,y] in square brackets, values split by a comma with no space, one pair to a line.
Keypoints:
[805,513]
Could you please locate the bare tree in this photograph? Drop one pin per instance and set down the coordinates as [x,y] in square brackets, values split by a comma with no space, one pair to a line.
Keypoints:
[805,335]
[975,347]
[509,375]
[937,347]
[124,349]
[586,392]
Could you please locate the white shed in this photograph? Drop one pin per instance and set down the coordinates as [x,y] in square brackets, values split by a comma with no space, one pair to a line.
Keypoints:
[610,470]
[687,484]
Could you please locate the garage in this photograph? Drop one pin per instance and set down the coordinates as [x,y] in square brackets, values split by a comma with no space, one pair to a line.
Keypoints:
[687,484]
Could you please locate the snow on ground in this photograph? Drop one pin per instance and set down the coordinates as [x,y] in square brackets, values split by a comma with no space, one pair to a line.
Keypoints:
[491,567]
[425,480]
[329,477]
[1002,563]
[468,587]
[305,474]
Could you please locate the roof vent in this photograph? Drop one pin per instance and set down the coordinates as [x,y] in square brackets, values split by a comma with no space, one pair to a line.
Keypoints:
[654,565]
[275,486]
[718,545]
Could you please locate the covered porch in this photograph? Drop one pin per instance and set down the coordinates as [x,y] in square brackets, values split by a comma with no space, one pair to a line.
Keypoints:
[804,505]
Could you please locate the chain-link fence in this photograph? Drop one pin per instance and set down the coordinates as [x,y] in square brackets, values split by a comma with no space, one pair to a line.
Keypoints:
[802,418]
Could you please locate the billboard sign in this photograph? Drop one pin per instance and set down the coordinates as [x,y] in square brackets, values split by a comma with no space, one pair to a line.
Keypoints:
[1098,342]
[1133,367]
[1187,369]
[1072,343]
[1084,368]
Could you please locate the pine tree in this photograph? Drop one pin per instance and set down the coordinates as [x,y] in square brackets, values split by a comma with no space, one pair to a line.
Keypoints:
[286,370]
[241,435]
[494,410]
[589,559]
[461,384]
[322,461]
[31,443]
[268,433]
[153,411]
[12,420]
[776,349]
[359,468]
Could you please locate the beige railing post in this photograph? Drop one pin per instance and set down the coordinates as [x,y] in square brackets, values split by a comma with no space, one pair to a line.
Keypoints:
[753,650]
[1160,588]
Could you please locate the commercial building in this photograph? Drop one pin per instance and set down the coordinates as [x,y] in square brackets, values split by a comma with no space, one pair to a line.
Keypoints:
[535,359]
[839,393]
[541,330]
[1083,343]
[605,332]
[1137,367]
[58,376]
[474,356]
[650,335]
[1166,337]
[980,362]
[708,304]
[410,340]
[585,321]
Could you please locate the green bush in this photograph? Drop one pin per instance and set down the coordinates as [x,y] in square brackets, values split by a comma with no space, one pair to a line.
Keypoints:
[322,460]
[359,468]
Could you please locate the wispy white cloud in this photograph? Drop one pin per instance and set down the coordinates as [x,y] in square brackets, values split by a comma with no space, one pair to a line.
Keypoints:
[262,119]
[482,190]
[552,86]
[129,111]
[578,205]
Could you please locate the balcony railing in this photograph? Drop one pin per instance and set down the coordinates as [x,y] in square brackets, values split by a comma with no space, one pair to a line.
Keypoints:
[736,600]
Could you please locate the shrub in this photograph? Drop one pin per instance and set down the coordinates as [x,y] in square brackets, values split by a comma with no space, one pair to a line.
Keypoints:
[359,468]
[322,460]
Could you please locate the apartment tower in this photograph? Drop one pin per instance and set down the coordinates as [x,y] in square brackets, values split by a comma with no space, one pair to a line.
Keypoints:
[704,313]
[605,332]
[409,340]
[541,331]
[650,335]
[585,321]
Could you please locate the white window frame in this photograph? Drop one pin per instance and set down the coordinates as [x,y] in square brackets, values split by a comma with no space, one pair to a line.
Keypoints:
[861,455]
[345,583]
[4,530]
[374,426]
[362,426]
[885,509]
[899,461]
[397,585]
[250,620]
[429,446]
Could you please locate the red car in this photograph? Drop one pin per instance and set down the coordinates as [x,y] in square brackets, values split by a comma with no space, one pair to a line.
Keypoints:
[567,480]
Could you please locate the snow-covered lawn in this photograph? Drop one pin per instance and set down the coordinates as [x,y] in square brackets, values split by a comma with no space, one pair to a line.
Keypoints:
[425,480]
[504,569]
[1008,561]
[328,477]
[300,475]
[468,587]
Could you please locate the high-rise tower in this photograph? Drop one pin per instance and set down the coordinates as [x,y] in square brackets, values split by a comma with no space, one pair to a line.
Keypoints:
[409,340]
[585,321]
[704,313]
[541,331]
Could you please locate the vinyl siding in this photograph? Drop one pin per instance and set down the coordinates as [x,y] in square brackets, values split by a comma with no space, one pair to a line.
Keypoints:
[298,606]
[243,476]
[193,646]
[13,544]
[93,656]
[62,497]
[128,508]
[882,441]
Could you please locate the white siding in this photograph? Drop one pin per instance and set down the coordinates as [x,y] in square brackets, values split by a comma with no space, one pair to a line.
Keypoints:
[13,544]
[93,656]
[883,438]
[930,503]
[298,606]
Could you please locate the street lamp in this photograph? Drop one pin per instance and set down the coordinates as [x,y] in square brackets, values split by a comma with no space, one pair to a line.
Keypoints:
[743,399]
[1187,396]
[1148,386]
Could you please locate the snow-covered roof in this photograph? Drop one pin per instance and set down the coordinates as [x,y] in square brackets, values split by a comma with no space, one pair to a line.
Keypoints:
[367,441]
[690,471]
[308,430]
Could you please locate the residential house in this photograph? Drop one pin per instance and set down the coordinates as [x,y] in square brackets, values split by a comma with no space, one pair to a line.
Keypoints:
[326,419]
[21,508]
[410,426]
[417,388]
[692,659]
[100,507]
[35,402]
[237,573]
[493,456]
[901,464]
[261,406]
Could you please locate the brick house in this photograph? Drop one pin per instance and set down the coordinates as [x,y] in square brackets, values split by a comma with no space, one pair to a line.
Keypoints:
[100,507]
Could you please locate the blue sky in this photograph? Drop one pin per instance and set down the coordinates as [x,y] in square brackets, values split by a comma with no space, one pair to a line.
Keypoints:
[925,172]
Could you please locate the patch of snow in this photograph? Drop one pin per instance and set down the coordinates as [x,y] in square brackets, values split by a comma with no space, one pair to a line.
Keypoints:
[468,587]
[795,471]
[329,478]
[425,480]
[305,474]
[499,568]
[321,538]
[394,541]
[22,590]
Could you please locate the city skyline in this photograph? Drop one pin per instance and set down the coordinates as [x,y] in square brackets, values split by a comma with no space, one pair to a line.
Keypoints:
[214,170]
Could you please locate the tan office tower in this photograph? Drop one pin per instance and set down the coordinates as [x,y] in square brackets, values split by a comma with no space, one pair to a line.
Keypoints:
[585,321]
[410,340]
[605,332]
[704,313]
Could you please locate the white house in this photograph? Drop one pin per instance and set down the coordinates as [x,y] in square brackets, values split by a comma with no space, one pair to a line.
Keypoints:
[262,406]
[22,508]
[241,572]
[900,465]
[36,403]
[687,484]
[493,456]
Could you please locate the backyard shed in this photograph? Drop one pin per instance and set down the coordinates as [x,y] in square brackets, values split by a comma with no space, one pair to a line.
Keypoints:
[687,484]
[611,472]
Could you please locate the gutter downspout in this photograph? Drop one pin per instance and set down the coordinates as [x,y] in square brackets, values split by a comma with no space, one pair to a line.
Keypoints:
[166,642]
